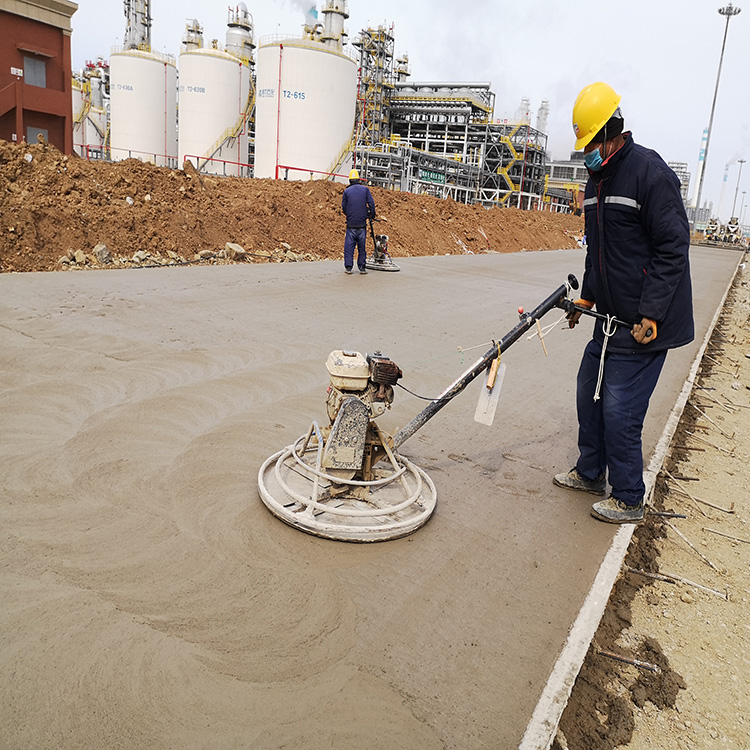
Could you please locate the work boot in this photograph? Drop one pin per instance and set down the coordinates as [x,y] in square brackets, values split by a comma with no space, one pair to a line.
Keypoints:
[363,270]
[348,269]
[613,510]
[572,480]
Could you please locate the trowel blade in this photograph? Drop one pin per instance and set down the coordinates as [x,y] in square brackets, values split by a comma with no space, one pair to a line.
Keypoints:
[485,413]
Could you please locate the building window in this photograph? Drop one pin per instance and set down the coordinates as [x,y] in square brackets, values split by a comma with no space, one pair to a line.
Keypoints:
[32,133]
[562,173]
[35,72]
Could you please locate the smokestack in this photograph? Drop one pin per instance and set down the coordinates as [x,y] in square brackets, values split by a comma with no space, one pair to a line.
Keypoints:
[701,163]
[542,116]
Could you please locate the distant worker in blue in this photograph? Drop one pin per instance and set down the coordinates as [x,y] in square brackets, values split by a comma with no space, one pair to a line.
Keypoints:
[637,270]
[359,206]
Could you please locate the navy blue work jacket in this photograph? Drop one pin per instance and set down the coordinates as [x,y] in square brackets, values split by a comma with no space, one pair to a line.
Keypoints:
[358,205]
[637,261]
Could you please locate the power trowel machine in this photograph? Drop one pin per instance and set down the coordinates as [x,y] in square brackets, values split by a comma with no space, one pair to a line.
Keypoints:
[346,480]
[380,259]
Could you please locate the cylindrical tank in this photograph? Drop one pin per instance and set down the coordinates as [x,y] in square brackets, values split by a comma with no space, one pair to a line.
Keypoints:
[306,98]
[143,107]
[214,111]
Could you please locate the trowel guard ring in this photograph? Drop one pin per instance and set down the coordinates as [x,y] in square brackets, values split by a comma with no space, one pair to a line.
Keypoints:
[295,488]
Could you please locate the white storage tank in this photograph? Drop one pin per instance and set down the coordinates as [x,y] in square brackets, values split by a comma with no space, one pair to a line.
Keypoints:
[143,107]
[305,107]
[216,98]
[214,110]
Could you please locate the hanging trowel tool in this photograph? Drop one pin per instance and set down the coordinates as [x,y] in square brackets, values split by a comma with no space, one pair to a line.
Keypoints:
[490,393]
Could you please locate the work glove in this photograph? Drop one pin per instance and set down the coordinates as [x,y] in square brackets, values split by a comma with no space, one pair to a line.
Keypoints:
[645,331]
[574,316]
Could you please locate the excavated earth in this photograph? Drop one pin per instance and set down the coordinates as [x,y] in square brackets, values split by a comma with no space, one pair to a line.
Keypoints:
[57,209]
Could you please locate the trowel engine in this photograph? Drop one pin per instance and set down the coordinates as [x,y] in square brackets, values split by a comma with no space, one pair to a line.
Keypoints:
[360,390]
[380,259]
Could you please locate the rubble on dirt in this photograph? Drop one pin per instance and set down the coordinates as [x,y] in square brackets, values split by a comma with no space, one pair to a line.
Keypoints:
[62,212]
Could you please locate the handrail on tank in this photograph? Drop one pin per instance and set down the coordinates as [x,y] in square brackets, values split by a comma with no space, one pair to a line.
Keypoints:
[314,171]
[171,160]
[198,159]
[164,57]
[302,41]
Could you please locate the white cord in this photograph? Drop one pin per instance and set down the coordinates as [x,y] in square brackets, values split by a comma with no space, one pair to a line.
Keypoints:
[608,327]
[546,329]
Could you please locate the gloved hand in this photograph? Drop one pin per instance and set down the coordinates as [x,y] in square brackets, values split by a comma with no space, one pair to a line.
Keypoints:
[574,316]
[645,331]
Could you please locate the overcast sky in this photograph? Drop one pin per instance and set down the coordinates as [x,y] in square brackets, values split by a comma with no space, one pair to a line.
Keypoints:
[662,56]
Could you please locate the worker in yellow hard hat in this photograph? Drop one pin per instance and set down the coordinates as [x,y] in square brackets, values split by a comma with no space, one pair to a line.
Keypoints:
[358,205]
[637,270]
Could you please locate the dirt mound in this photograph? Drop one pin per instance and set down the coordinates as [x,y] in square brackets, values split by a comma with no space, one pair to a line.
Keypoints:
[57,209]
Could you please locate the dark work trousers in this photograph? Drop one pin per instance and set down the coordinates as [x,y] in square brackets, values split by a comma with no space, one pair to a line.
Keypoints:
[355,237]
[609,430]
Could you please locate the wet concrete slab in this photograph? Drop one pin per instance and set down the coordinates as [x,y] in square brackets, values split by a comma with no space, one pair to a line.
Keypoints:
[150,596]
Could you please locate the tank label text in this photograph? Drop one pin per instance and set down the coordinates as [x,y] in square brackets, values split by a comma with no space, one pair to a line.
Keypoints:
[124,87]
[294,94]
[266,92]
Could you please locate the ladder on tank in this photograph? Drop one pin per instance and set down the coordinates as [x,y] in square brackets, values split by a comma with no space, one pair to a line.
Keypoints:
[232,133]
[346,149]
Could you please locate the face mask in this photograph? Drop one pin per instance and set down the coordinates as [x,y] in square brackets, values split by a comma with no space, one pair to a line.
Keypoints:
[593,160]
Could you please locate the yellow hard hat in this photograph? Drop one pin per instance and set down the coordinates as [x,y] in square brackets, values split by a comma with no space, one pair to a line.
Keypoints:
[593,107]
[354,175]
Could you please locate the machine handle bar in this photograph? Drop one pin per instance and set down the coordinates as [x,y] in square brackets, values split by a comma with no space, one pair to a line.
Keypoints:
[570,307]
[558,298]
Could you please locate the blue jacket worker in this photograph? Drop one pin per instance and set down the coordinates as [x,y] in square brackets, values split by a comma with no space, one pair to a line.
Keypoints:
[359,206]
[637,270]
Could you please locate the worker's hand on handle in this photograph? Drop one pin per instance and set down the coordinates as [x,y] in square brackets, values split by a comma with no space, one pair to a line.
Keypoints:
[575,315]
[645,331]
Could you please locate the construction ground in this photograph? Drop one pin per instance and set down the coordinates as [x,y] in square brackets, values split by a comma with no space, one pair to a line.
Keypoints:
[150,599]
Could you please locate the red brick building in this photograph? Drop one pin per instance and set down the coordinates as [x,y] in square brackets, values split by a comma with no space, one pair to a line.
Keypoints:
[35,71]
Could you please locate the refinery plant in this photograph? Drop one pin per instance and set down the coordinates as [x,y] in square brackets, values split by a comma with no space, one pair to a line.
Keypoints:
[311,106]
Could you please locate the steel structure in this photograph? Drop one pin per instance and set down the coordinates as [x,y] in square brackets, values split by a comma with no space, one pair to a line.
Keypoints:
[443,141]
[376,84]
[399,166]
[138,31]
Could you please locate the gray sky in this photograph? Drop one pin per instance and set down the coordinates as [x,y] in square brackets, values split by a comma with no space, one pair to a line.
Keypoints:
[662,56]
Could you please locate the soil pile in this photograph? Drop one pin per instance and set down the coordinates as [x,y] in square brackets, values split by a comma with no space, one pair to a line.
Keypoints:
[57,209]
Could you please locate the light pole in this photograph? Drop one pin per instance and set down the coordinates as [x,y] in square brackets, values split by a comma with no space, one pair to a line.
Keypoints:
[736,190]
[729,10]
